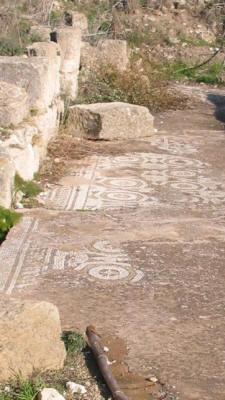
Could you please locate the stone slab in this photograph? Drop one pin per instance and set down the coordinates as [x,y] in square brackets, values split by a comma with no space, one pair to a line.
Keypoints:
[30,338]
[7,172]
[110,121]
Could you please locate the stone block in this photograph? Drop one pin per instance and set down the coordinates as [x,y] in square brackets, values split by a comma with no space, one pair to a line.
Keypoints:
[7,173]
[42,32]
[36,75]
[76,20]
[110,121]
[69,41]
[108,51]
[14,104]
[50,51]
[114,52]
[30,337]
[19,147]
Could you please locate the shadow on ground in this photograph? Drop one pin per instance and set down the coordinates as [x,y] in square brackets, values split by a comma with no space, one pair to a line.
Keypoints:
[219,102]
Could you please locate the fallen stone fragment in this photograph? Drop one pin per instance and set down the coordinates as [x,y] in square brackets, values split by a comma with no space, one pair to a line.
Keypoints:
[73,387]
[49,394]
[30,337]
[110,121]
[153,379]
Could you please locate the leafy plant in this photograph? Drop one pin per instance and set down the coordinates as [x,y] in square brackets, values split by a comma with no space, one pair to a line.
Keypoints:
[55,18]
[73,341]
[7,220]
[33,112]
[29,188]
[147,88]
[10,47]
[28,390]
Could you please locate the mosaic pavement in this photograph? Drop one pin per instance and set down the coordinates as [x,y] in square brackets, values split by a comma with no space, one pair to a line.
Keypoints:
[25,260]
[148,263]
[148,179]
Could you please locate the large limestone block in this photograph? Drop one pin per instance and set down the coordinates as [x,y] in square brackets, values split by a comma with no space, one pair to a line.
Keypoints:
[76,20]
[69,41]
[48,121]
[89,58]
[41,32]
[14,104]
[7,173]
[50,51]
[108,51]
[36,75]
[110,121]
[30,337]
[114,52]
[19,147]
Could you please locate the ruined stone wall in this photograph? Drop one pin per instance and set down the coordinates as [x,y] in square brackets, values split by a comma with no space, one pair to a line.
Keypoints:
[32,88]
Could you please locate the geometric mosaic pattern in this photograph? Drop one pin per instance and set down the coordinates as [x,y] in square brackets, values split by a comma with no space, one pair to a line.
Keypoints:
[142,176]
[26,261]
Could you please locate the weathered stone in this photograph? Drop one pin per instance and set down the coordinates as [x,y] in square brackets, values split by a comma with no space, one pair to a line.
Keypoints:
[7,172]
[29,337]
[89,57]
[73,387]
[69,40]
[19,147]
[41,32]
[47,122]
[76,20]
[14,105]
[49,394]
[114,52]
[108,51]
[36,75]
[110,121]
[52,53]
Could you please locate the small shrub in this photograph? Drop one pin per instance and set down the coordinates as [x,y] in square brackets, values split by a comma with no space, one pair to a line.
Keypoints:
[10,47]
[28,389]
[29,188]
[55,18]
[73,341]
[7,220]
[33,112]
[148,88]
[22,389]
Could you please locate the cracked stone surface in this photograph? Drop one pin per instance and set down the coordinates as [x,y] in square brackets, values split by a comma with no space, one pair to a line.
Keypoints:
[135,244]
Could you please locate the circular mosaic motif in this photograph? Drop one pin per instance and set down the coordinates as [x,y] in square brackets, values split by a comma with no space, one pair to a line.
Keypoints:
[109,272]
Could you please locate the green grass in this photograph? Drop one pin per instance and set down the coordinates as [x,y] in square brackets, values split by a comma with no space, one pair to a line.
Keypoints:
[22,389]
[209,73]
[196,42]
[73,341]
[33,112]
[8,218]
[29,188]
[27,389]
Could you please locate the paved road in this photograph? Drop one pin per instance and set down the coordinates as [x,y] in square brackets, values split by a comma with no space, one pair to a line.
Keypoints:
[135,243]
